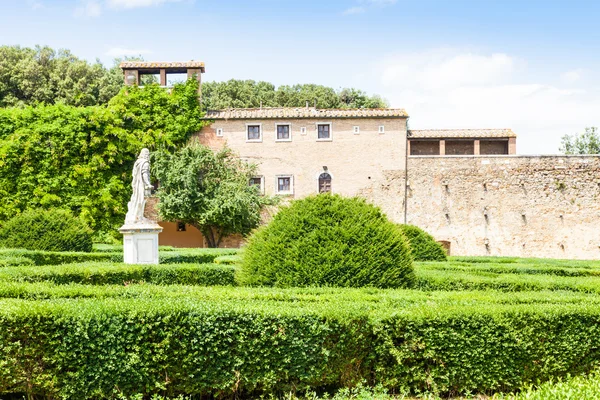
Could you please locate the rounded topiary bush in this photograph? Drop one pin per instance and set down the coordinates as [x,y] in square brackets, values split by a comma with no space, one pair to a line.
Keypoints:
[49,230]
[328,240]
[422,245]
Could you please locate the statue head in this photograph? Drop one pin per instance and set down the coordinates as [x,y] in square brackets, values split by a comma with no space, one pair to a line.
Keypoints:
[145,154]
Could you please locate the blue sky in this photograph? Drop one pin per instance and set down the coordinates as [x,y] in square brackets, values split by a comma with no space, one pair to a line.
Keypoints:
[527,65]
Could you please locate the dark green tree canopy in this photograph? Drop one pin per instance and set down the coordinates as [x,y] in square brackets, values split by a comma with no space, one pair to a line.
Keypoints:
[208,190]
[587,142]
[249,94]
[42,75]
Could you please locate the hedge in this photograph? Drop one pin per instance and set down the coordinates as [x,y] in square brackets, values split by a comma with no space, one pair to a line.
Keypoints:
[242,342]
[47,230]
[199,256]
[423,246]
[109,273]
[439,279]
[328,240]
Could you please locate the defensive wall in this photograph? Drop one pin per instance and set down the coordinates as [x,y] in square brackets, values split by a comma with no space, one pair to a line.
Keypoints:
[526,206]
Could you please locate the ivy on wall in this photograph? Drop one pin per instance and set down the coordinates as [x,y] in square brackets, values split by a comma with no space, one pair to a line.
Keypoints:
[80,158]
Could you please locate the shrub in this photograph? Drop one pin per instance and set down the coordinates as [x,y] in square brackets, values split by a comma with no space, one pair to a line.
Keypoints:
[111,274]
[328,240]
[229,260]
[243,342]
[423,246]
[49,230]
[167,256]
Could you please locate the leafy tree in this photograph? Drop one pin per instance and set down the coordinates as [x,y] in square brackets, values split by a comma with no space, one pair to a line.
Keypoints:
[42,75]
[587,142]
[251,94]
[208,190]
[80,158]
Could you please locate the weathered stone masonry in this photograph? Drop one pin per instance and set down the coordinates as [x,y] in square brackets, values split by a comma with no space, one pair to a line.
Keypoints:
[527,206]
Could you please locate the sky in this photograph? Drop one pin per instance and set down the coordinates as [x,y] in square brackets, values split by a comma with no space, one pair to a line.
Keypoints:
[527,65]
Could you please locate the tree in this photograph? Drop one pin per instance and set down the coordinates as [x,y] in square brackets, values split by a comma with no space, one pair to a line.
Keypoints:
[30,76]
[208,190]
[80,158]
[251,94]
[587,142]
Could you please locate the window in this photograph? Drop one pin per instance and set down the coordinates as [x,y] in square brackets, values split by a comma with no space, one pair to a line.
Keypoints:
[303,130]
[258,182]
[283,132]
[324,131]
[253,133]
[219,132]
[324,183]
[356,130]
[285,184]
[180,226]
[381,129]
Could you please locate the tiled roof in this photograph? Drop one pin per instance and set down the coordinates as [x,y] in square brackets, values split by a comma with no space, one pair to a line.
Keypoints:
[461,133]
[304,112]
[154,65]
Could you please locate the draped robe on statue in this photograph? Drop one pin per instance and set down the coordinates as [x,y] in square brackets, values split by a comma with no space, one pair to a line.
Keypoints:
[140,184]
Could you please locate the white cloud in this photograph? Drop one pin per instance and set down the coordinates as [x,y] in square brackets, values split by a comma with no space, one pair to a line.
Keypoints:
[354,10]
[127,4]
[459,89]
[122,52]
[365,4]
[35,5]
[572,76]
[88,8]
[380,2]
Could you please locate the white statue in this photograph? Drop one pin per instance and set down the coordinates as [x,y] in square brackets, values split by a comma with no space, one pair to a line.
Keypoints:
[141,189]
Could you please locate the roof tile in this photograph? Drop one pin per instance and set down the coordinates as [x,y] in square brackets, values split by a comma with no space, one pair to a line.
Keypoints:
[304,112]
[461,133]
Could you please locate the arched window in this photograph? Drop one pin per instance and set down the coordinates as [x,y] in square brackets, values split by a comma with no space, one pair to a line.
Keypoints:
[324,183]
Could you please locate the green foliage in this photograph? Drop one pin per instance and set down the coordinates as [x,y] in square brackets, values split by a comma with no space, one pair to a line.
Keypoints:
[168,256]
[577,388]
[81,158]
[587,142]
[30,76]
[269,340]
[328,240]
[47,230]
[423,246]
[250,94]
[229,260]
[509,274]
[208,190]
[118,273]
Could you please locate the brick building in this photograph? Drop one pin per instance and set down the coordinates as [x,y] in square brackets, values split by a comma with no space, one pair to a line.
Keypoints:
[467,187]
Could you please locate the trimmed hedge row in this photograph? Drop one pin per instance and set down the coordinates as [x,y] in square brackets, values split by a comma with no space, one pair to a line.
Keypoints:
[10,257]
[108,274]
[256,342]
[454,279]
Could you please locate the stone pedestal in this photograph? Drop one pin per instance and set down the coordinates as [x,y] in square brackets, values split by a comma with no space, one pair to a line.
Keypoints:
[140,242]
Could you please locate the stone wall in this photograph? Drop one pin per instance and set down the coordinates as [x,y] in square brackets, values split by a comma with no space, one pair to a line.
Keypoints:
[538,206]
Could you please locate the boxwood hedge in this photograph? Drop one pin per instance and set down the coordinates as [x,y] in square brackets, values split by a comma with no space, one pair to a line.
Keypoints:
[423,246]
[243,342]
[38,257]
[111,273]
[328,240]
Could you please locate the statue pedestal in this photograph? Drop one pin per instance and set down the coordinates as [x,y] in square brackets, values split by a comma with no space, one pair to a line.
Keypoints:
[140,242]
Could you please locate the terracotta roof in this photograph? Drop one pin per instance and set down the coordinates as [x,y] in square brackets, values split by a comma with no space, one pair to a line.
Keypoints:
[166,65]
[461,133]
[304,112]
